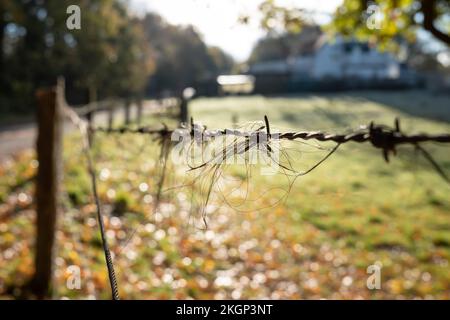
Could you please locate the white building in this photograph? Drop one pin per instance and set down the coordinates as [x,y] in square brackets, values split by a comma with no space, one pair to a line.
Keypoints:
[348,63]
[353,60]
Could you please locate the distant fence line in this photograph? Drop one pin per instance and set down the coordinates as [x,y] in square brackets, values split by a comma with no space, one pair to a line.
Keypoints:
[113,104]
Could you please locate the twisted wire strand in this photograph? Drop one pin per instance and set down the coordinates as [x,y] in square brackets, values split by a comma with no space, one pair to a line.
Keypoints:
[83,127]
[380,136]
[107,252]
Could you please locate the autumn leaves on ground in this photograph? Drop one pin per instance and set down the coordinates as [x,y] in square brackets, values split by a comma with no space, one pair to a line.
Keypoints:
[352,212]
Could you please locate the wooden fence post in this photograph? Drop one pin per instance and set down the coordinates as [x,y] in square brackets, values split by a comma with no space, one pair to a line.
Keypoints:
[127,112]
[184,113]
[186,95]
[49,151]
[93,107]
[90,120]
[139,111]
[90,117]
[110,117]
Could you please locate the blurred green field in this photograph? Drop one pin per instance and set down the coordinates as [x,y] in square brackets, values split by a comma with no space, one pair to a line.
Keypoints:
[351,212]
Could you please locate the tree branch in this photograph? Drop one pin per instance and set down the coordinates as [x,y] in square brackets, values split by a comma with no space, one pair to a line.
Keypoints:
[429,16]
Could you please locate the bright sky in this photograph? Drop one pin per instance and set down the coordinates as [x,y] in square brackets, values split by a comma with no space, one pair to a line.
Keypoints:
[217,20]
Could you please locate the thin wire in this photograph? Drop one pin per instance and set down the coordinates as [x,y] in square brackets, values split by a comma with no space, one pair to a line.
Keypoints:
[83,127]
[109,262]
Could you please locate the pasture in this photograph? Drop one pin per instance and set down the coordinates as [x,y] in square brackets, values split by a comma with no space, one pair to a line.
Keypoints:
[266,237]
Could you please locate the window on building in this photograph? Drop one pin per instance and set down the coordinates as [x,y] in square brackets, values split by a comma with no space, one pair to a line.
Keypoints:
[365,48]
[348,47]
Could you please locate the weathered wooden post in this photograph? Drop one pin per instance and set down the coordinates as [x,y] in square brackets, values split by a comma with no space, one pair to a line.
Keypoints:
[127,111]
[90,119]
[90,116]
[93,105]
[184,110]
[139,110]
[49,154]
[235,120]
[110,117]
[187,95]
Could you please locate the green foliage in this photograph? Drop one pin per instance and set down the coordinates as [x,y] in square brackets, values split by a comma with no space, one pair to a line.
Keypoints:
[108,55]
[396,20]
[223,62]
[283,46]
[182,57]
[278,18]
[114,53]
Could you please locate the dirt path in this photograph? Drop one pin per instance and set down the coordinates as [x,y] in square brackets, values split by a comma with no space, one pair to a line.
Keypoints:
[16,138]
[20,137]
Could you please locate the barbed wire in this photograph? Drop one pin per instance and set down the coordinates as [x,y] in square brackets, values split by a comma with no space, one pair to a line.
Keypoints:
[380,136]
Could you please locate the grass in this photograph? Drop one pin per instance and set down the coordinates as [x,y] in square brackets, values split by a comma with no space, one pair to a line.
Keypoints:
[351,212]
